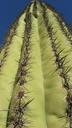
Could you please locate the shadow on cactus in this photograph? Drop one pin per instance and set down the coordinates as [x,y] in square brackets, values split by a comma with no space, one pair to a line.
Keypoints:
[36,71]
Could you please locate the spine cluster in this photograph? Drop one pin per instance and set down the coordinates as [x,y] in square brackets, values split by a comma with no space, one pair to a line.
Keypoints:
[19,108]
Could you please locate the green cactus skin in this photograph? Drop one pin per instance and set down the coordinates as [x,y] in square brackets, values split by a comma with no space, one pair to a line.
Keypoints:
[36,71]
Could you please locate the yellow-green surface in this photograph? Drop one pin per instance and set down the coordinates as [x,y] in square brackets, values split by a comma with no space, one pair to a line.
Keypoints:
[54,92]
[44,86]
[9,70]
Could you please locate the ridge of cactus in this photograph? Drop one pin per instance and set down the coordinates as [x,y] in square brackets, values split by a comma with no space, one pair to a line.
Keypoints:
[60,60]
[36,71]
[4,51]
[13,118]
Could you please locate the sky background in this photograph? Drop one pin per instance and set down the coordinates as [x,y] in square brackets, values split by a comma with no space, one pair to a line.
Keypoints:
[9,9]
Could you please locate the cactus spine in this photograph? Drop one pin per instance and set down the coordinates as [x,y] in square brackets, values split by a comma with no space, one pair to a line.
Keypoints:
[36,71]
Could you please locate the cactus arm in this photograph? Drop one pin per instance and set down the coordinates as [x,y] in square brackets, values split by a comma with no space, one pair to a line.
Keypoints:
[9,69]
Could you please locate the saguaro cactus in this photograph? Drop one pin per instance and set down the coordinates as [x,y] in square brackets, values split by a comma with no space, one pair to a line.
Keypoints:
[36,71]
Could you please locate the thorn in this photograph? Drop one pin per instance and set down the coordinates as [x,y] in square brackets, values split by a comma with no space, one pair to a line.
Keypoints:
[68,69]
[62,59]
[59,52]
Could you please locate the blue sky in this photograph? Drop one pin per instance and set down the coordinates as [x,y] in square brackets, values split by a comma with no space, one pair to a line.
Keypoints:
[9,9]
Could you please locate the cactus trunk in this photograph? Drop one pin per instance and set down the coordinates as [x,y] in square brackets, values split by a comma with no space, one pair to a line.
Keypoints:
[36,71]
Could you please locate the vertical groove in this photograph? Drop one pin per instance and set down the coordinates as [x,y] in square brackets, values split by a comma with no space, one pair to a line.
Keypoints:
[19,108]
[35,14]
[63,72]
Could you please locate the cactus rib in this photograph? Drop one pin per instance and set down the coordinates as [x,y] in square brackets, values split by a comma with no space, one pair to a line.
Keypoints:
[63,72]
[19,108]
